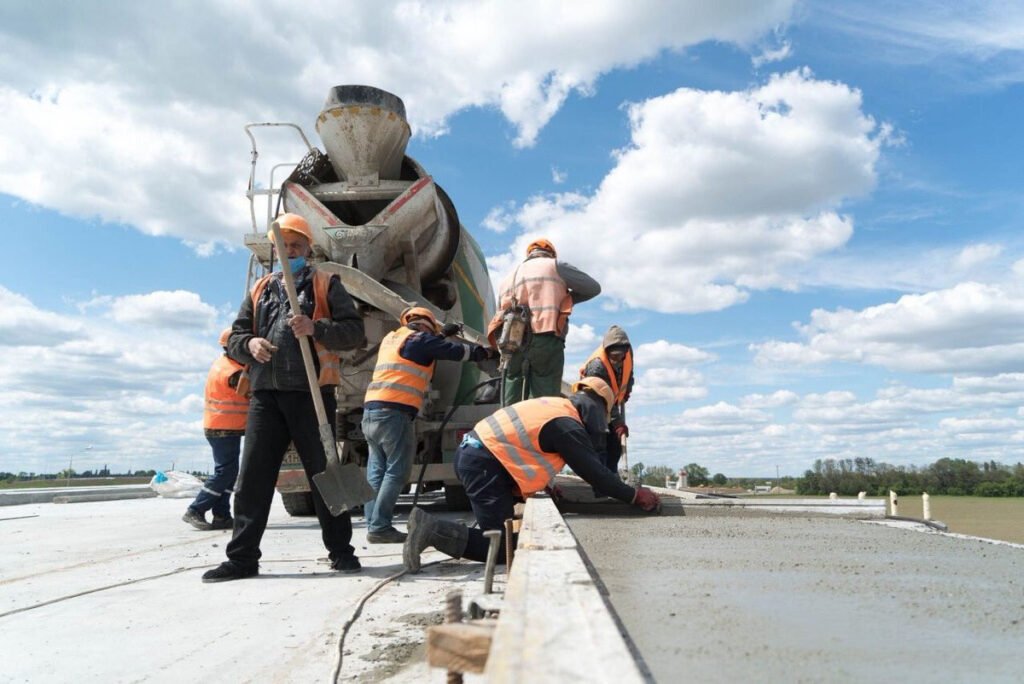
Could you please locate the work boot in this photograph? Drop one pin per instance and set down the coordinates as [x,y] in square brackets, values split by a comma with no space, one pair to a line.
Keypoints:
[220,523]
[229,570]
[196,519]
[388,536]
[426,530]
[347,564]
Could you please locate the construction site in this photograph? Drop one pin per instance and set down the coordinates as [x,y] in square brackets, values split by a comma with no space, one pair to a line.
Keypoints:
[665,584]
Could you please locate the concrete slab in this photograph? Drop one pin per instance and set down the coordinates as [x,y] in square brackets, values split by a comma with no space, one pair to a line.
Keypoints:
[738,595]
[111,592]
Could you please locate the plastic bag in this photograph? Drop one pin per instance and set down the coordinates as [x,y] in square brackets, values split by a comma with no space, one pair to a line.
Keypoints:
[174,484]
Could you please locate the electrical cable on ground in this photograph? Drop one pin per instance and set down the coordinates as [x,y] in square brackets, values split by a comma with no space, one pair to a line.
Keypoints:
[358,610]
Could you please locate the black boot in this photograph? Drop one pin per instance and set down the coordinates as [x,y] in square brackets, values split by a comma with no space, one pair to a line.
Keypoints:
[426,530]
[229,570]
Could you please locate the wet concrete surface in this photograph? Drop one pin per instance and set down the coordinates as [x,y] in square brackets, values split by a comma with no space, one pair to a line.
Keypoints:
[729,596]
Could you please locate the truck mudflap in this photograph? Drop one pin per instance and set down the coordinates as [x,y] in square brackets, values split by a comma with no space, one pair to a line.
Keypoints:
[292,480]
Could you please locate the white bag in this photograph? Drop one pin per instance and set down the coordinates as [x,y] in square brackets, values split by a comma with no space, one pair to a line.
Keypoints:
[174,484]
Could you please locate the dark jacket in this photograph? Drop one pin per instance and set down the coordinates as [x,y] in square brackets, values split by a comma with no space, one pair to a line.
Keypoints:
[615,336]
[285,370]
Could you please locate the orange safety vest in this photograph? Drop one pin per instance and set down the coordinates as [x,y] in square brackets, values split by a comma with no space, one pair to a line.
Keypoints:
[536,284]
[396,379]
[330,363]
[512,434]
[618,389]
[225,409]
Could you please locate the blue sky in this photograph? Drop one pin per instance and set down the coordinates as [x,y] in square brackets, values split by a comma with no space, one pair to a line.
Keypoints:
[805,214]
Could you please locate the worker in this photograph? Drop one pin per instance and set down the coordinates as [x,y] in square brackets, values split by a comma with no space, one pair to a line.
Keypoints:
[281,410]
[224,424]
[549,289]
[516,452]
[395,395]
[613,363]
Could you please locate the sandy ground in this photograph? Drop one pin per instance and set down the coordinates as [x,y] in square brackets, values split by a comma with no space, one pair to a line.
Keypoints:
[153,620]
[733,596]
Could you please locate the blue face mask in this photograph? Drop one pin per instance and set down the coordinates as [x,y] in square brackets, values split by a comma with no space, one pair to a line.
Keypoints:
[296,263]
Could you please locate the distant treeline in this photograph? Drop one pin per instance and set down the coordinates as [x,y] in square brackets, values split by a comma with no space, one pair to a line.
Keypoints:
[951,476]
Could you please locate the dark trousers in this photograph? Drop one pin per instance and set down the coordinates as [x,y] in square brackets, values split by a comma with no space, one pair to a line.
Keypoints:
[275,419]
[492,494]
[216,491]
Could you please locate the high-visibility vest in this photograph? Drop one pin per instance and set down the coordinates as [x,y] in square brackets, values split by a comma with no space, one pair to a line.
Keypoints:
[536,284]
[396,379]
[225,409]
[619,389]
[330,363]
[512,434]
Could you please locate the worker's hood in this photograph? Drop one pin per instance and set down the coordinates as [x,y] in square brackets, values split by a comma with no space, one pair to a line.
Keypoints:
[615,337]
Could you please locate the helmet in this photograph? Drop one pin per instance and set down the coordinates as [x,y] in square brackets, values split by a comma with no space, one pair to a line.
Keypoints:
[418,312]
[541,243]
[295,224]
[224,335]
[598,387]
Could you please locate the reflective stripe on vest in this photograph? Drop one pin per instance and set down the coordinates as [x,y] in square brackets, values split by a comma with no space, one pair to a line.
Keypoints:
[538,285]
[618,389]
[512,434]
[225,409]
[397,379]
[330,363]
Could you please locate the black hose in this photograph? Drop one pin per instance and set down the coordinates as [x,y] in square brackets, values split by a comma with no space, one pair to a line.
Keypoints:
[455,405]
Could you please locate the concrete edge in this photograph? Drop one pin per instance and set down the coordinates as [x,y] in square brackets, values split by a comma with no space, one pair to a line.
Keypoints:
[554,624]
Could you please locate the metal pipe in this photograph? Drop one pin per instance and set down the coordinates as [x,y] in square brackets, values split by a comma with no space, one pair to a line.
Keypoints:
[494,537]
[453,613]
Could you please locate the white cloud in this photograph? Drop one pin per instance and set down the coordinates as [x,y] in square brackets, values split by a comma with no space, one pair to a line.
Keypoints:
[768,56]
[581,339]
[120,379]
[663,353]
[663,385]
[102,116]
[718,194]
[971,328]
[975,255]
[558,176]
[498,219]
[22,324]
[769,401]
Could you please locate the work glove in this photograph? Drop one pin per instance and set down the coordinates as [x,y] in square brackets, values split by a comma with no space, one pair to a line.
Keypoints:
[451,329]
[481,353]
[647,500]
[621,430]
[555,492]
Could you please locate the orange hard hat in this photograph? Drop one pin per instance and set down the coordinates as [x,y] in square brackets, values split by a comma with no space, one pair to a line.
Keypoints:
[224,335]
[541,243]
[295,224]
[598,387]
[419,313]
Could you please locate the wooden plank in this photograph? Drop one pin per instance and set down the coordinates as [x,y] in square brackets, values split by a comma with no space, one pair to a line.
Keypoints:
[554,624]
[460,646]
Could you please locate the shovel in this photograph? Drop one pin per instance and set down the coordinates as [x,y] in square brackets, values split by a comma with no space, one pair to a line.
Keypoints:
[341,486]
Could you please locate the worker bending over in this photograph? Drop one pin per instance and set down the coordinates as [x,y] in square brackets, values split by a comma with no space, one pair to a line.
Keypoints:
[549,289]
[613,363]
[266,336]
[395,395]
[514,453]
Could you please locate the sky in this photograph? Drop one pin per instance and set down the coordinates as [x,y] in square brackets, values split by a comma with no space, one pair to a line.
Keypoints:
[806,215]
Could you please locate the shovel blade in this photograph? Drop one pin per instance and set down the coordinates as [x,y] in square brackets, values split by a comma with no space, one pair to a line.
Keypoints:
[343,486]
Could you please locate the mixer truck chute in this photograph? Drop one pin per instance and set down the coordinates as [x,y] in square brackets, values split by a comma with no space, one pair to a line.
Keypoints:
[393,237]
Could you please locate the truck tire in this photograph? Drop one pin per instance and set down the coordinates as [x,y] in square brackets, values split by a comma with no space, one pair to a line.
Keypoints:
[455,497]
[298,503]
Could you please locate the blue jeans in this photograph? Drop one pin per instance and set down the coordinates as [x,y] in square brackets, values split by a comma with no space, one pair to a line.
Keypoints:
[216,491]
[391,437]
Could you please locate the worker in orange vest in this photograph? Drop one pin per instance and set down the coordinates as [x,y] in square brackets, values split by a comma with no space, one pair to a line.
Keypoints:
[265,335]
[613,363]
[548,288]
[224,424]
[516,452]
[395,395]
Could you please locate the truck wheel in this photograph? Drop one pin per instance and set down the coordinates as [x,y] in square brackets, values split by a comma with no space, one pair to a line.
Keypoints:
[455,497]
[298,503]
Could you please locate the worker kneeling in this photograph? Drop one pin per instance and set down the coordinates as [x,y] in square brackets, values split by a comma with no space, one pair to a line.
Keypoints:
[516,452]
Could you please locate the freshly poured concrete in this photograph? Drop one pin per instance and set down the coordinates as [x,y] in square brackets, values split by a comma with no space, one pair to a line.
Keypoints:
[740,596]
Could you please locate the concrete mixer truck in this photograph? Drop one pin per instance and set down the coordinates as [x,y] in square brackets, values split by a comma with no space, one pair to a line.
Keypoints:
[393,237]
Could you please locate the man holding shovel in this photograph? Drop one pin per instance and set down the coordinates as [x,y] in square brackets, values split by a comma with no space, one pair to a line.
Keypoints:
[266,335]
